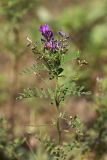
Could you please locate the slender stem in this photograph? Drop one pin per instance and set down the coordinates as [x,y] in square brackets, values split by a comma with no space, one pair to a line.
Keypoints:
[56,95]
[30,148]
[59,130]
[58,112]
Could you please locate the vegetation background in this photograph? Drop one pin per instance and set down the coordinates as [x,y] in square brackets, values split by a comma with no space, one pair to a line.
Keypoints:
[86,23]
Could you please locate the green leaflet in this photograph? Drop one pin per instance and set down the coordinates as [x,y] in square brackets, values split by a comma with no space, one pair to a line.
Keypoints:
[35,92]
[33,69]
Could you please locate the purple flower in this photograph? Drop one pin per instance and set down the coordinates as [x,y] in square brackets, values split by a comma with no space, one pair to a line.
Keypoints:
[62,34]
[44,28]
[51,45]
[48,35]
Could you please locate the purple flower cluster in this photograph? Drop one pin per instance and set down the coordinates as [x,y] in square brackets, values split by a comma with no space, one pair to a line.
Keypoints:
[49,42]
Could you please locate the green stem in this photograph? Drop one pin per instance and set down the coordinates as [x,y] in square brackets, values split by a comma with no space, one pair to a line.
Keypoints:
[56,95]
[58,112]
[59,130]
